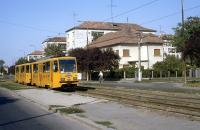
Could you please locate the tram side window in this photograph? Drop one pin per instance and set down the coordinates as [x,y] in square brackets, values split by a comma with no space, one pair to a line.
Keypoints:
[27,69]
[55,66]
[30,68]
[17,70]
[22,69]
[46,67]
[35,68]
[43,67]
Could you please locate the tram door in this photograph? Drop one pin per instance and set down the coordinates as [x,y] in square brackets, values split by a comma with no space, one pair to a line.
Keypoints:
[55,77]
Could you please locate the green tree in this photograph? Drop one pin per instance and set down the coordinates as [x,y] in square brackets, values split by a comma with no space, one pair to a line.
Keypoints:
[171,63]
[187,40]
[96,35]
[95,59]
[21,60]
[53,50]
[11,69]
[2,62]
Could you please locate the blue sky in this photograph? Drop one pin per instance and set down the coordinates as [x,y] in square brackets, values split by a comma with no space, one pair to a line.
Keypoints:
[25,24]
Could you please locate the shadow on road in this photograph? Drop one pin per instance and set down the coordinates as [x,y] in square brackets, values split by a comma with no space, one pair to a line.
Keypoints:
[74,89]
[5,100]
[25,119]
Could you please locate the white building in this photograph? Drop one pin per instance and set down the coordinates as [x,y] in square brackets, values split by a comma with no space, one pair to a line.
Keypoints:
[35,55]
[168,48]
[59,41]
[125,43]
[85,33]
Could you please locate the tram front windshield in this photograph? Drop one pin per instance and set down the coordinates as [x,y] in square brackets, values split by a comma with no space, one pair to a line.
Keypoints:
[67,66]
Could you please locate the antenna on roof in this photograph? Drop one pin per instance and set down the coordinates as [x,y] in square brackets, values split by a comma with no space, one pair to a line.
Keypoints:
[74,18]
[111,10]
[128,26]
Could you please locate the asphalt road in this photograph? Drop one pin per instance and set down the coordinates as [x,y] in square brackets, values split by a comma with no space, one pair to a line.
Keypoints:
[18,113]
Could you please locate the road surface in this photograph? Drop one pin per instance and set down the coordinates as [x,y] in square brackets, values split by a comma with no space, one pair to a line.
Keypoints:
[18,113]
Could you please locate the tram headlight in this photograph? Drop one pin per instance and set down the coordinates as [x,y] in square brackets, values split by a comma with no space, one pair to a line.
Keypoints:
[62,79]
[75,78]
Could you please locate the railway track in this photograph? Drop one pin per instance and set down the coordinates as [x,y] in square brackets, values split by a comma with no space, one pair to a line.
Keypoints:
[176,103]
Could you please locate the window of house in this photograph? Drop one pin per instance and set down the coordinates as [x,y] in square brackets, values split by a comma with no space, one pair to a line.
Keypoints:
[96,35]
[156,52]
[62,46]
[125,66]
[126,53]
[171,50]
[117,52]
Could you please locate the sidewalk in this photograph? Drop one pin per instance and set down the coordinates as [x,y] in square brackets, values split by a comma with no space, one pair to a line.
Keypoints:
[108,115]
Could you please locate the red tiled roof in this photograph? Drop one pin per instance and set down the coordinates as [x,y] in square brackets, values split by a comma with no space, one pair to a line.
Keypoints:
[37,53]
[55,39]
[110,26]
[124,37]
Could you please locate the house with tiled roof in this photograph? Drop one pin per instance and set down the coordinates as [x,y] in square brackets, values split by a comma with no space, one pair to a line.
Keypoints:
[125,44]
[59,41]
[83,34]
[35,55]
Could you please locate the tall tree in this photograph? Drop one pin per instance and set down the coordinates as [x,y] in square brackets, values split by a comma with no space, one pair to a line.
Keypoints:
[1,66]
[21,60]
[53,50]
[187,39]
[2,62]
[171,63]
[11,69]
[95,59]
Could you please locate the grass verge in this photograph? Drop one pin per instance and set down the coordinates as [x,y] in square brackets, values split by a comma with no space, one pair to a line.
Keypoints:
[82,115]
[193,84]
[71,110]
[13,86]
[105,123]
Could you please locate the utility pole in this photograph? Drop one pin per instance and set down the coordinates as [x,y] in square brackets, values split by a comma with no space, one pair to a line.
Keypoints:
[183,26]
[74,35]
[139,56]
[182,13]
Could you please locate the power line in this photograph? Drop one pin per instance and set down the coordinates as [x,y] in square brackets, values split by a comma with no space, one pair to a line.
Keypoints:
[27,26]
[169,15]
[131,10]
[111,9]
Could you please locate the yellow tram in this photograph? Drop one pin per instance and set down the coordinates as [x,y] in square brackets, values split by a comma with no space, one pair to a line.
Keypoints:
[52,73]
